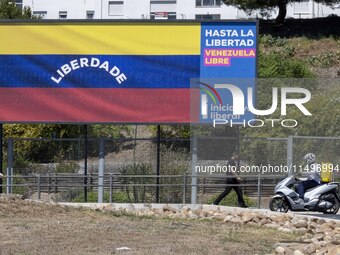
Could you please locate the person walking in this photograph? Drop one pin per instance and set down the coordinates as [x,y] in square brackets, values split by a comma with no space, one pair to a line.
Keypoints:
[232,181]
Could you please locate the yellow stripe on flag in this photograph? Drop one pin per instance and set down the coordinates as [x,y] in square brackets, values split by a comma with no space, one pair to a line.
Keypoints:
[108,38]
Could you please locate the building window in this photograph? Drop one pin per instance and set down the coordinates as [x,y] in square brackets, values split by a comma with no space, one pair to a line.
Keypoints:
[89,14]
[208,16]
[40,14]
[18,3]
[208,3]
[163,1]
[63,15]
[116,8]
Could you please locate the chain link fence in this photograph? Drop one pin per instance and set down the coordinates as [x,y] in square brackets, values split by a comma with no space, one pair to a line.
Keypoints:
[145,170]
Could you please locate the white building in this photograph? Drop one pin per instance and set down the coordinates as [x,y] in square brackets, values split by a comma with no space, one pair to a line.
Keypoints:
[161,9]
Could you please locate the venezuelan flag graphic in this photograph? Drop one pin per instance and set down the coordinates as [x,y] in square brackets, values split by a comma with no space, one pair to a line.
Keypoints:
[100,72]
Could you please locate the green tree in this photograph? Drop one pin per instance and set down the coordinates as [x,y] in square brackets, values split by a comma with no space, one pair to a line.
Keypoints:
[268,5]
[9,10]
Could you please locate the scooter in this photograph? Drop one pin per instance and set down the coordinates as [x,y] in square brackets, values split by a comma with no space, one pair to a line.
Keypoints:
[323,198]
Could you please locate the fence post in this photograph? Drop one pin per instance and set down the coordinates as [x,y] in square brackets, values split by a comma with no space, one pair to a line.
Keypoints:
[55,183]
[85,162]
[259,191]
[89,183]
[193,172]
[111,183]
[184,188]
[49,183]
[290,154]
[1,146]
[101,171]
[158,161]
[9,165]
[39,186]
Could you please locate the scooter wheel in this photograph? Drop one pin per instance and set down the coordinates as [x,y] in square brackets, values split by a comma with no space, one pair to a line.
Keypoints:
[279,204]
[335,207]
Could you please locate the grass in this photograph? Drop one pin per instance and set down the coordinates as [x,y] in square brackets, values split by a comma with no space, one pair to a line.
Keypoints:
[30,228]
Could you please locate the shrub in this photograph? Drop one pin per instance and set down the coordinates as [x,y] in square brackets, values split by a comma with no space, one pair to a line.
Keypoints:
[276,65]
[137,194]
[231,200]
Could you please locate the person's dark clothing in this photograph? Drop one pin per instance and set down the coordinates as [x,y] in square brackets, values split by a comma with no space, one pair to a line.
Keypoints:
[229,181]
[305,185]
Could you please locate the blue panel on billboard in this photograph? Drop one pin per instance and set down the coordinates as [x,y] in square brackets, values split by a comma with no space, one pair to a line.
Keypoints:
[228,64]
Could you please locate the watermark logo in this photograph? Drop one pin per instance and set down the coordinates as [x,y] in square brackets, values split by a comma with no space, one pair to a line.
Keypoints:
[212,93]
[237,106]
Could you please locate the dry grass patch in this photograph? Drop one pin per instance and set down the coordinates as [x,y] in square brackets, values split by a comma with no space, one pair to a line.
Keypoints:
[31,228]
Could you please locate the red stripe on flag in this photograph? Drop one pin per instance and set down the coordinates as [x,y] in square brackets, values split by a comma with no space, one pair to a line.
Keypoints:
[94,105]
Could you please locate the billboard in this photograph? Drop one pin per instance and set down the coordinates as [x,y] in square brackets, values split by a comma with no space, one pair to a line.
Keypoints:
[115,72]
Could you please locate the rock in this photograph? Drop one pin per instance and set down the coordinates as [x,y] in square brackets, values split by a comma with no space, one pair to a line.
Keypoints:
[298,252]
[301,224]
[320,221]
[320,253]
[309,249]
[247,217]
[288,224]
[237,221]
[149,213]
[279,218]
[331,224]
[12,196]
[228,218]
[316,243]
[271,225]
[335,242]
[336,237]
[310,231]
[328,239]
[105,208]
[313,225]
[252,224]
[256,220]
[301,231]
[192,215]
[210,213]
[315,220]
[319,237]
[280,250]
[325,228]
[323,244]
[185,209]
[261,216]
[334,250]
[264,222]
[197,212]
[286,230]
[218,217]
[203,214]
[168,208]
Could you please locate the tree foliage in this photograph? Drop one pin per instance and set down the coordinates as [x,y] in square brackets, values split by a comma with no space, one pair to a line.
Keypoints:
[49,150]
[269,5]
[8,10]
